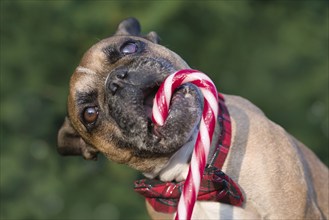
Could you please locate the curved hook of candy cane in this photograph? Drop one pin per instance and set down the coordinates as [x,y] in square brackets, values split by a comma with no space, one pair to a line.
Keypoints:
[161,101]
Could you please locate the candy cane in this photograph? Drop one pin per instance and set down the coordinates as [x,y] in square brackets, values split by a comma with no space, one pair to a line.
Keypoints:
[206,130]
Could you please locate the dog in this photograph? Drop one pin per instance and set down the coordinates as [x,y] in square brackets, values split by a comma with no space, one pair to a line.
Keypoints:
[109,112]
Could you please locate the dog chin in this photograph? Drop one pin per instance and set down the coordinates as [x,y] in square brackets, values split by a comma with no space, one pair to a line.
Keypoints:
[176,168]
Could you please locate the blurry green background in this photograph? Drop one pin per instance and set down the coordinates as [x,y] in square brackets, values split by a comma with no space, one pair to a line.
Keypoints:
[274,53]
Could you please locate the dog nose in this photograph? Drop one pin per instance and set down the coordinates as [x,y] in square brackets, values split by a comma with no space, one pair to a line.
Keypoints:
[116,80]
[113,87]
[121,74]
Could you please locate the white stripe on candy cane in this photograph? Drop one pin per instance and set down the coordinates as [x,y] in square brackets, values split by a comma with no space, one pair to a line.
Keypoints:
[182,206]
[168,88]
[196,76]
[211,100]
[156,114]
[204,135]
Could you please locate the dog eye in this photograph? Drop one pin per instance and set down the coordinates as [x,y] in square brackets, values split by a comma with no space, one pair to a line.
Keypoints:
[90,114]
[129,48]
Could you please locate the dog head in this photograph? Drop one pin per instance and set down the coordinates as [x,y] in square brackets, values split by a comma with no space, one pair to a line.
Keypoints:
[110,101]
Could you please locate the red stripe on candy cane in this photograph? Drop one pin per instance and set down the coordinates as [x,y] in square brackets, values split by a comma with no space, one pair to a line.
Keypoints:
[207,126]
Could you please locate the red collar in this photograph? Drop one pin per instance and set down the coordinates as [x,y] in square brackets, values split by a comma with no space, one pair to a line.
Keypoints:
[215,185]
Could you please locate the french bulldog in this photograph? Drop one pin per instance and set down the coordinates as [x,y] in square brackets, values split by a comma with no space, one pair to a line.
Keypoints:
[110,108]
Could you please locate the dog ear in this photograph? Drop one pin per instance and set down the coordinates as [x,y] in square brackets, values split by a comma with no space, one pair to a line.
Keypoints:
[70,143]
[129,26]
[153,36]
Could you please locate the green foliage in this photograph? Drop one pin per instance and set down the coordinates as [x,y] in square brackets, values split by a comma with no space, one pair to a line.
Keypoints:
[274,53]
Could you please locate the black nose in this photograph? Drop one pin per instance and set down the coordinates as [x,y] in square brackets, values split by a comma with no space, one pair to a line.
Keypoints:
[113,87]
[121,74]
[116,80]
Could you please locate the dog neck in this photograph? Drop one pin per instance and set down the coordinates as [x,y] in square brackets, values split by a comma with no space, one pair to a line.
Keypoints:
[177,166]
[176,169]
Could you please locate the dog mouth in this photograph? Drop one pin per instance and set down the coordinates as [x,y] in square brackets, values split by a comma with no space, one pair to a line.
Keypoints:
[149,95]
